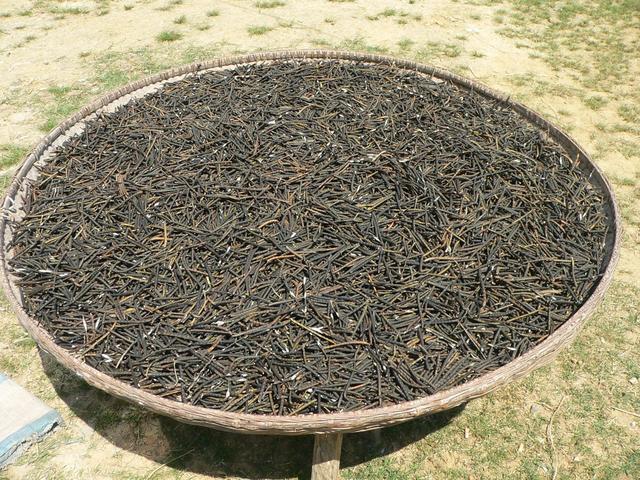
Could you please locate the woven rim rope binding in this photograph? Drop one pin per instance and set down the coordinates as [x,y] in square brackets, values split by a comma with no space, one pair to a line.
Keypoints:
[311,423]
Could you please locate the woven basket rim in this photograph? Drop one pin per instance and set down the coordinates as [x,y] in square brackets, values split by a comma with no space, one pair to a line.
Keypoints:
[359,420]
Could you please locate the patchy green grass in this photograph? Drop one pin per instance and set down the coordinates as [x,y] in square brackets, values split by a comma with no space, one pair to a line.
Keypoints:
[11,154]
[596,39]
[625,182]
[115,69]
[361,45]
[256,30]
[111,77]
[320,42]
[595,102]
[437,49]
[25,40]
[402,17]
[269,4]
[64,102]
[181,20]
[629,113]
[168,36]
[68,10]
[59,91]
[170,5]
[193,54]
[213,13]
[15,337]
[381,469]
[539,87]
[405,44]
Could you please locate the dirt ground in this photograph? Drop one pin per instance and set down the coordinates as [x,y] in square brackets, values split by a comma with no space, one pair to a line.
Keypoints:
[575,62]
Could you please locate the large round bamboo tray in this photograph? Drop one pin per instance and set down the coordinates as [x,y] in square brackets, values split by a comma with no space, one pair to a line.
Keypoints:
[317,424]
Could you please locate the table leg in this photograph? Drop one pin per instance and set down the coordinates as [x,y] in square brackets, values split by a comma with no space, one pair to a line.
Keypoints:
[326,456]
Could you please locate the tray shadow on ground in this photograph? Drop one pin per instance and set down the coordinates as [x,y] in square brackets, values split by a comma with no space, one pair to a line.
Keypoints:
[210,452]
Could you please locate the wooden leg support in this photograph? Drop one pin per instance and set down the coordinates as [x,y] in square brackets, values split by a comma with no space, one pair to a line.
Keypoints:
[326,456]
